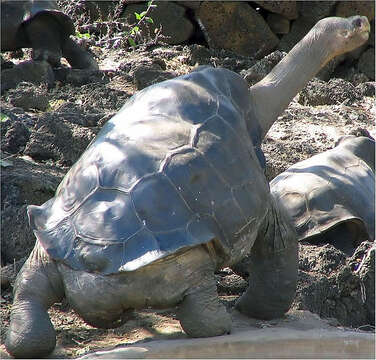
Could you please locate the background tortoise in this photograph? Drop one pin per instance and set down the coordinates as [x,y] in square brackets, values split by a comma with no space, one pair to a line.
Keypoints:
[331,196]
[170,190]
[40,25]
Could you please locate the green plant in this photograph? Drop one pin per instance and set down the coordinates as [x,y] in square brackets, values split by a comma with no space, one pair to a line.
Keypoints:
[82,36]
[3,117]
[141,18]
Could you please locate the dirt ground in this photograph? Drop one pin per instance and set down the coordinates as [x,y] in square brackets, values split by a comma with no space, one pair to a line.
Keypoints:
[82,102]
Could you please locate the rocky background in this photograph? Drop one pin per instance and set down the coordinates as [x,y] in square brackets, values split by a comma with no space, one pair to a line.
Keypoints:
[49,116]
[249,28]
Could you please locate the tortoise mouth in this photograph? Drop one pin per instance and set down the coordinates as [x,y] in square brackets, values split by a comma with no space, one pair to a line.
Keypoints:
[363,27]
[364,34]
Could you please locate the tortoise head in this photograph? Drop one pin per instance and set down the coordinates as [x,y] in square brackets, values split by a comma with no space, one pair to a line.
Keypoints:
[341,35]
[329,38]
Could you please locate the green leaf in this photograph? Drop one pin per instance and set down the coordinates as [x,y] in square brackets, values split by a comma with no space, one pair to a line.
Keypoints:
[138,16]
[135,29]
[80,36]
[132,42]
[143,14]
[149,20]
[3,117]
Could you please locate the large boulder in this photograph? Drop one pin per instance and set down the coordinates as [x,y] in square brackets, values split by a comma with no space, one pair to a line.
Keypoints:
[299,29]
[366,63]
[97,10]
[309,13]
[237,27]
[371,40]
[194,5]
[314,11]
[287,9]
[278,23]
[350,8]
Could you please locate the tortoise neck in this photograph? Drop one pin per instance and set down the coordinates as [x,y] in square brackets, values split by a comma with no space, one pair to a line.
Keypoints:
[272,94]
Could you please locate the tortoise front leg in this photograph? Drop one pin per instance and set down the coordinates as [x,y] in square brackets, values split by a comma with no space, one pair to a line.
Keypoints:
[44,35]
[37,287]
[273,271]
[201,313]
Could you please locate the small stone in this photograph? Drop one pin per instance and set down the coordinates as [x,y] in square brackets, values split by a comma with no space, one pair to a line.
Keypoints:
[199,55]
[28,96]
[160,62]
[15,138]
[36,72]
[145,76]
[367,88]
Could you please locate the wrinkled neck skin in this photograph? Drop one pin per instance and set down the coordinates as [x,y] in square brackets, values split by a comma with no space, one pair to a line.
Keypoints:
[271,95]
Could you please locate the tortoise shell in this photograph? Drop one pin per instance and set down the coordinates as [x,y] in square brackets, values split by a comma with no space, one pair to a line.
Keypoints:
[174,168]
[331,188]
[14,14]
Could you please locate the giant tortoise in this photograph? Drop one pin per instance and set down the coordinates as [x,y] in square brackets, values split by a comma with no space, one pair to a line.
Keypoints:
[331,196]
[170,190]
[40,25]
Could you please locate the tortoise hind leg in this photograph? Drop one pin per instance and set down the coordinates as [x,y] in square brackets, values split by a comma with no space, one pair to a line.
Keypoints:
[77,57]
[273,269]
[201,313]
[38,286]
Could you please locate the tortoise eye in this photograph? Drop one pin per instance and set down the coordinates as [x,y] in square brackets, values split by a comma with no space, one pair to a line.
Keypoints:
[357,22]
